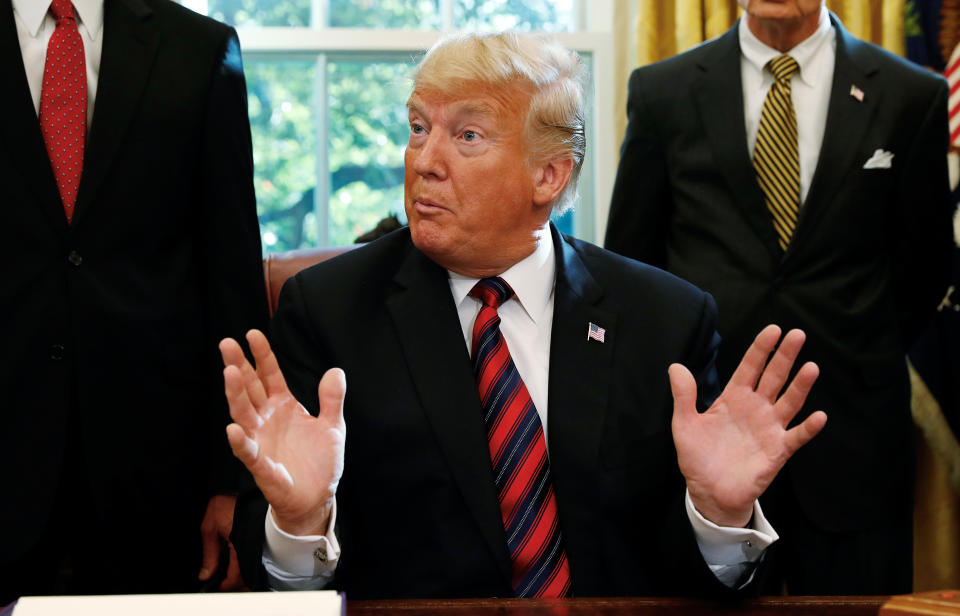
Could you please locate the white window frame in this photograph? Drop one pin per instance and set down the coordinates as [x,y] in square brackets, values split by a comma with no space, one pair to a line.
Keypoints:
[593,22]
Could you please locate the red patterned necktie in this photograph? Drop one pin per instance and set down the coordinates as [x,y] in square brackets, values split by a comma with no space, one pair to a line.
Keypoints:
[518,454]
[63,103]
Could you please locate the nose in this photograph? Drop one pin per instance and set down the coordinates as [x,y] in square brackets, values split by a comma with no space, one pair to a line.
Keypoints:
[429,157]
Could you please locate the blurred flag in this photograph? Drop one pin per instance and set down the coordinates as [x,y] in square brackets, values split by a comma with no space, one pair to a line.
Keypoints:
[933,31]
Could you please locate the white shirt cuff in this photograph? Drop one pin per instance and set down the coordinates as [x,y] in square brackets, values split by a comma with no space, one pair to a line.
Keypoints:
[728,551]
[299,562]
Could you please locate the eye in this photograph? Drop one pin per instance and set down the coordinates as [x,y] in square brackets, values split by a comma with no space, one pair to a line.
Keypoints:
[416,129]
[470,135]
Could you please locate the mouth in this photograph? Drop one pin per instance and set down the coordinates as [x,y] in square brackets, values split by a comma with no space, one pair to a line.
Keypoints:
[427,206]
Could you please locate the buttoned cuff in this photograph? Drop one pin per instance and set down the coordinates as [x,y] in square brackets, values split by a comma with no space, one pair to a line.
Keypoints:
[299,562]
[730,552]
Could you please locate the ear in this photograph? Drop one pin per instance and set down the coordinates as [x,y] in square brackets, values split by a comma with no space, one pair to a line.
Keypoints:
[550,178]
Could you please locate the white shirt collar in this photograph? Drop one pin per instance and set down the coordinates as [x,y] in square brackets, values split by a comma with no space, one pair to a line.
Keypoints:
[32,12]
[531,279]
[758,54]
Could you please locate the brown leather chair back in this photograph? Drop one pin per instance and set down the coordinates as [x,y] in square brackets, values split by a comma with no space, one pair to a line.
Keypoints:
[279,266]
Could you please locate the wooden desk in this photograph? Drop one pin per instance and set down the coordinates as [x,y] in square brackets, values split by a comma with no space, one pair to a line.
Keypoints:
[781,606]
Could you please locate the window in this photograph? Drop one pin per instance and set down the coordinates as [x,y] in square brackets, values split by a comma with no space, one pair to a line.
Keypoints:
[327,81]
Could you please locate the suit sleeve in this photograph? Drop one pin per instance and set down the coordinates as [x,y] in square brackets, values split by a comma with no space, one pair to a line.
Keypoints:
[920,234]
[229,240]
[640,207]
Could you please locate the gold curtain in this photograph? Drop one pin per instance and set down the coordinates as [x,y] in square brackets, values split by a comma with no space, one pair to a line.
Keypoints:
[667,27]
[662,28]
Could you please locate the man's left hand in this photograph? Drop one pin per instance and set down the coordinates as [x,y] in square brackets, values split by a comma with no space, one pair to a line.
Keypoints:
[215,530]
[731,453]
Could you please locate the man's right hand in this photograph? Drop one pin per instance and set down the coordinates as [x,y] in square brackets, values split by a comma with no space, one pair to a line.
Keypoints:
[295,458]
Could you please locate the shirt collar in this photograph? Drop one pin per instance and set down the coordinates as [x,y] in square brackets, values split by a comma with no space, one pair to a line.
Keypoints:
[32,12]
[758,54]
[531,279]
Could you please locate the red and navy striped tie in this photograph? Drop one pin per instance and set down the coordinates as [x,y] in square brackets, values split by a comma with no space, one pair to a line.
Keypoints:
[518,454]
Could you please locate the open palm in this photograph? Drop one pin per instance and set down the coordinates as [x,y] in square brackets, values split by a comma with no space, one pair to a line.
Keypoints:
[295,458]
[730,454]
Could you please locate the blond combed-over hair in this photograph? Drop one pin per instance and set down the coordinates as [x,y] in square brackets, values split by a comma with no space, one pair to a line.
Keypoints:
[555,74]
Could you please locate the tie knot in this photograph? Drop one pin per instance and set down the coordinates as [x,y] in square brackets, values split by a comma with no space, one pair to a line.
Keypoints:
[783,67]
[492,291]
[62,9]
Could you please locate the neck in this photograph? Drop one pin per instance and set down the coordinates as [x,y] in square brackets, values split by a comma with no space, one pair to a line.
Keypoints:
[783,34]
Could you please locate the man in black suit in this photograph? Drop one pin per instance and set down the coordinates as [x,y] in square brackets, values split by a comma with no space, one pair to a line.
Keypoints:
[428,492]
[865,266]
[112,444]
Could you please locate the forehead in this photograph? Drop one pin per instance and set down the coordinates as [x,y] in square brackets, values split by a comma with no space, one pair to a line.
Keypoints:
[474,100]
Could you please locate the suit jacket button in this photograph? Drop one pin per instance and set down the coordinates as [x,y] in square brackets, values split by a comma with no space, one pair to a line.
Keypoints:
[56,352]
[74,257]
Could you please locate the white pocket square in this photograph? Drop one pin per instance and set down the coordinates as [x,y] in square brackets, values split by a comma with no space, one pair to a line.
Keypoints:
[881,159]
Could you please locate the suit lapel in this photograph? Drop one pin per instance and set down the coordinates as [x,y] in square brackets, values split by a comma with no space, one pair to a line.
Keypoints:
[719,96]
[130,43]
[847,122]
[579,376]
[436,355]
[21,128]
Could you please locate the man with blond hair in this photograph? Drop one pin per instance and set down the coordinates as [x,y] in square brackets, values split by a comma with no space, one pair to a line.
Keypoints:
[512,389]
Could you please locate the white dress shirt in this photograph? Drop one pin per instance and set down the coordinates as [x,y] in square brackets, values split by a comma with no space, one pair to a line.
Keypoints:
[525,321]
[35,26]
[811,87]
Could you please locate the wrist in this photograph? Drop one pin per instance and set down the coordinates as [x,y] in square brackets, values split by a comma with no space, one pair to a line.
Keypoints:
[722,515]
[315,522]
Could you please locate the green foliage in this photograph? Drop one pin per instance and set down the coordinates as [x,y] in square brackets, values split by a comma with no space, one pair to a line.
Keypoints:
[414,14]
[911,19]
[284,145]
[252,13]
[368,132]
[548,15]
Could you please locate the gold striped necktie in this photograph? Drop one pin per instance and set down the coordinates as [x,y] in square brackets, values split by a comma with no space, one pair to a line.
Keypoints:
[776,156]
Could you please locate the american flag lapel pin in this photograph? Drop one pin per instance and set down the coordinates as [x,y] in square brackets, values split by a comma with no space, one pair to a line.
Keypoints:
[856,93]
[595,332]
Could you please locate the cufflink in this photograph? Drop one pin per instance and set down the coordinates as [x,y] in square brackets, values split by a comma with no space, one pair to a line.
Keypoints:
[320,554]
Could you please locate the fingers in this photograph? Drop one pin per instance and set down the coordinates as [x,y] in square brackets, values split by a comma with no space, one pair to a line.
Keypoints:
[684,388]
[241,408]
[245,448]
[233,580]
[267,367]
[778,370]
[233,356]
[798,436]
[751,366]
[210,540]
[792,400]
[331,392]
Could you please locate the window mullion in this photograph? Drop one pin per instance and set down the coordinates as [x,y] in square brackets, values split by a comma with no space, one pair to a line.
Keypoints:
[321,194]
[446,13]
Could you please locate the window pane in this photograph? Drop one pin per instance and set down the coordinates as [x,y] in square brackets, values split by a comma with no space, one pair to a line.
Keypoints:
[368,132]
[412,14]
[548,15]
[282,120]
[252,13]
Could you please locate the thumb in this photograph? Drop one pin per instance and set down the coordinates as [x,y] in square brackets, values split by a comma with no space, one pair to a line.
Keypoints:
[684,388]
[331,392]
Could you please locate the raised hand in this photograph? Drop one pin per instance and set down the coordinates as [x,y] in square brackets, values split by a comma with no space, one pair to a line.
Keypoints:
[295,458]
[731,453]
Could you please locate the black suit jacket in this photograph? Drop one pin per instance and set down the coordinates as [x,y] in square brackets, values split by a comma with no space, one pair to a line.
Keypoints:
[418,513]
[866,266]
[110,325]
